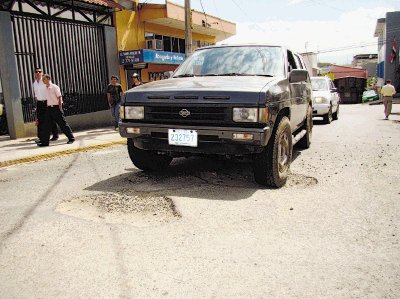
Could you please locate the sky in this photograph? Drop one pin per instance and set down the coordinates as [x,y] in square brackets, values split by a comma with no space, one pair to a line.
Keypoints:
[324,26]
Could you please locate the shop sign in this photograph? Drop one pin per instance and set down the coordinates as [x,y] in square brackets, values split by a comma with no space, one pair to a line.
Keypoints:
[150,56]
[130,57]
[163,57]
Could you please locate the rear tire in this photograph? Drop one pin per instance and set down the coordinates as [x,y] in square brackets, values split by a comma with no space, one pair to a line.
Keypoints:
[147,160]
[305,141]
[271,167]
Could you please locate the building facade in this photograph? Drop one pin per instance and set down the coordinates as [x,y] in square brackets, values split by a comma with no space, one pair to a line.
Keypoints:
[151,38]
[74,41]
[387,31]
[368,62]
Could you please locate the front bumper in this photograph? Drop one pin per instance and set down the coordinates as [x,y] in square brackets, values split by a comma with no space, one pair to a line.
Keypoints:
[211,140]
[320,109]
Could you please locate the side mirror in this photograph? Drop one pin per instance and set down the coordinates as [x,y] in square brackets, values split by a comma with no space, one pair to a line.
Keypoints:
[168,74]
[334,89]
[297,76]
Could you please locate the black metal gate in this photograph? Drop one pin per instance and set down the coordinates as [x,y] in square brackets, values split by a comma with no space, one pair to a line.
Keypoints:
[72,53]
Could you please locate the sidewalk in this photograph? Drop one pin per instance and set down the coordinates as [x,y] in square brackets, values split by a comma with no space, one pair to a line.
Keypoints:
[24,150]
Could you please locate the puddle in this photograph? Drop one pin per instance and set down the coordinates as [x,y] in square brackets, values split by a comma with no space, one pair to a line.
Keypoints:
[136,209]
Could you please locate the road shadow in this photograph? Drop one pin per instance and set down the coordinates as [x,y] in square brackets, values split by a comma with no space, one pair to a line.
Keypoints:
[194,177]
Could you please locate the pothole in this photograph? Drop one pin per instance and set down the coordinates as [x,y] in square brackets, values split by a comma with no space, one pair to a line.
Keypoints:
[299,180]
[139,209]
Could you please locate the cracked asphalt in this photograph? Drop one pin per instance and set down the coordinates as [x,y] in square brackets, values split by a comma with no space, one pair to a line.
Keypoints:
[92,225]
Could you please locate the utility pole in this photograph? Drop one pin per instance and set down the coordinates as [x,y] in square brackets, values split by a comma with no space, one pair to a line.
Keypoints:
[188,28]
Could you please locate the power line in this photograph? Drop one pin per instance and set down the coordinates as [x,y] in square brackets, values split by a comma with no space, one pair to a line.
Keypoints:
[355,46]
[329,6]
[244,12]
[205,16]
[222,26]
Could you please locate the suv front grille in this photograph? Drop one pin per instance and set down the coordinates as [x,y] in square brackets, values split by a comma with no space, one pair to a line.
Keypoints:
[188,114]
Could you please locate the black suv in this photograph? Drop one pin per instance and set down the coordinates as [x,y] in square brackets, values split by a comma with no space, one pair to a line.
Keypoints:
[243,100]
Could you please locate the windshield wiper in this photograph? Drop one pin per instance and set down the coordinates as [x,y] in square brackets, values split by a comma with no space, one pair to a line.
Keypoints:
[244,74]
[234,74]
[184,75]
[264,75]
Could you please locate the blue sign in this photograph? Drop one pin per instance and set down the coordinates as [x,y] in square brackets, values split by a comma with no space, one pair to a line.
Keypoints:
[150,56]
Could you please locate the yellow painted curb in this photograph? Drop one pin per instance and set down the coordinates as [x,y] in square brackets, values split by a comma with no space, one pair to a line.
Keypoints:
[60,153]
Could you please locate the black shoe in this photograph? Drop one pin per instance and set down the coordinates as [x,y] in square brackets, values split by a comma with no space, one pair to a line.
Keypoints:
[70,141]
[37,141]
[54,138]
[42,144]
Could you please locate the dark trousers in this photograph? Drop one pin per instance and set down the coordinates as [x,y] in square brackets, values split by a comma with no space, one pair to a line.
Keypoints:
[54,114]
[41,109]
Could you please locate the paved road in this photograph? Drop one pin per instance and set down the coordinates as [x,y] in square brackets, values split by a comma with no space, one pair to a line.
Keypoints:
[91,225]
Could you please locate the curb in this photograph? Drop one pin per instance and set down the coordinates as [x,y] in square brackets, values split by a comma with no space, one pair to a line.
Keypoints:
[60,153]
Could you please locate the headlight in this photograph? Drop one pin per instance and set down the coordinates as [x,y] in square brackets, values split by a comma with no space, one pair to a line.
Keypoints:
[133,112]
[245,115]
[121,112]
[321,100]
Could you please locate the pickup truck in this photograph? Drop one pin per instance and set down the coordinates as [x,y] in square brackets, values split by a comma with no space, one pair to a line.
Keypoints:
[229,100]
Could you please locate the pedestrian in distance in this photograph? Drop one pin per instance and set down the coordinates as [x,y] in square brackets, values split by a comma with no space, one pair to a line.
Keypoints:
[39,89]
[387,92]
[54,111]
[114,93]
[136,80]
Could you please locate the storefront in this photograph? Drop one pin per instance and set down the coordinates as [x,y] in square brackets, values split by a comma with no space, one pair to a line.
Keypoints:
[151,65]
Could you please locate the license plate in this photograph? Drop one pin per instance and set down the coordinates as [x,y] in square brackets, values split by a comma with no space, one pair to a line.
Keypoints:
[182,137]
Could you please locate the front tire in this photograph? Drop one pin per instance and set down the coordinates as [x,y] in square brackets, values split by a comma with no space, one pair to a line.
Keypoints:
[147,160]
[328,117]
[336,114]
[272,165]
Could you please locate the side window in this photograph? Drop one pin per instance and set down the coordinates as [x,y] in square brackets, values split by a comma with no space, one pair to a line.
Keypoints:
[298,62]
[291,61]
[303,62]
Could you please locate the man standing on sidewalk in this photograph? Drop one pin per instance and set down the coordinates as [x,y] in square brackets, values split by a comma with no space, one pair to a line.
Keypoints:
[114,93]
[41,106]
[54,111]
[388,92]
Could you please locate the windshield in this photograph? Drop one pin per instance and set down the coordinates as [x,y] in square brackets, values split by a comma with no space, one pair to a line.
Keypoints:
[233,61]
[319,84]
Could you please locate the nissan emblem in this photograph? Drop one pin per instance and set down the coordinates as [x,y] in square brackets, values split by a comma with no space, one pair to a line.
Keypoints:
[184,113]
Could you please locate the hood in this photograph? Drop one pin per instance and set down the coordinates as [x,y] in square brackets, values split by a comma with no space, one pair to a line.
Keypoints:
[236,89]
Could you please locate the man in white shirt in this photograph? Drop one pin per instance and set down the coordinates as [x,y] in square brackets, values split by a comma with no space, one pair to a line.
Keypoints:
[388,92]
[54,111]
[39,89]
